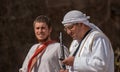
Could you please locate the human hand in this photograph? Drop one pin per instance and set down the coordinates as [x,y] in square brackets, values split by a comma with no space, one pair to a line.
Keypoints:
[69,61]
[62,70]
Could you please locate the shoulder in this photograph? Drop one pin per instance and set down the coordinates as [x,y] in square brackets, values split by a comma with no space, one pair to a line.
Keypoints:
[97,34]
[35,45]
[55,44]
[33,48]
[100,37]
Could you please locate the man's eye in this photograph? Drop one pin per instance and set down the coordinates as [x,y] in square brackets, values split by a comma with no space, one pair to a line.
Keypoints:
[43,28]
[70,27]
[37,27]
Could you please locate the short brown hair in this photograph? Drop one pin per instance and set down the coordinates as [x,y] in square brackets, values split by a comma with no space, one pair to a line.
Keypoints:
[43,18]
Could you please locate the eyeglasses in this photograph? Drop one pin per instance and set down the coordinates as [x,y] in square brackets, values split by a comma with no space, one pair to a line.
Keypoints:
[69,27]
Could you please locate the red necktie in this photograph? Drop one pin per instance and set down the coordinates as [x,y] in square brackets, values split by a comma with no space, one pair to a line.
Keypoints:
[36,53]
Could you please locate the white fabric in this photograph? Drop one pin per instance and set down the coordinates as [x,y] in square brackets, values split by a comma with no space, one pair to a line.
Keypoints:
[75,16]
[95,54]
[49,62]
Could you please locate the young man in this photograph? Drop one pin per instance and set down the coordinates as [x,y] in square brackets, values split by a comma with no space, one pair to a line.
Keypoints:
[44,56]
[91,50]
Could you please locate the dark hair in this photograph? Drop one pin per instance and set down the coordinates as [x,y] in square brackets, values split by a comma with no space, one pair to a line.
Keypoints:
[43,18]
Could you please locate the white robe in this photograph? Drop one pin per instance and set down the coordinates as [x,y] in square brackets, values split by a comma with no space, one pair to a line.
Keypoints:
[49,62]
[94,55]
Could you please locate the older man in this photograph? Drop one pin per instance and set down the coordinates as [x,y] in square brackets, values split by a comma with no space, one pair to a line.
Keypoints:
[91,50]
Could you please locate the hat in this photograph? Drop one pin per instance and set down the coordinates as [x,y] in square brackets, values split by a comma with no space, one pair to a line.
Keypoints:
[74,16]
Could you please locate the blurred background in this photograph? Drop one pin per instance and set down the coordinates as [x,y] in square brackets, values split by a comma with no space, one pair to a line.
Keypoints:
[16,25]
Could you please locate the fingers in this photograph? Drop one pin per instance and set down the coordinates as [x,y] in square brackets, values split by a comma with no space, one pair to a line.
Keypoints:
[65,62]
[69,61]
[63,70]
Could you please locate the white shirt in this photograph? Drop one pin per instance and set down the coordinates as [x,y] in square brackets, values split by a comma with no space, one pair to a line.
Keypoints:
[94,55]
[49,62]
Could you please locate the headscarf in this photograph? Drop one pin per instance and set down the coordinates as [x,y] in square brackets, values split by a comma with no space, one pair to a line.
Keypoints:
[76,16]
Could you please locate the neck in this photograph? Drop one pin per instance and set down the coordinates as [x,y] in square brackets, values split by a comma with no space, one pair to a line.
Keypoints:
[83,33]
[45,40]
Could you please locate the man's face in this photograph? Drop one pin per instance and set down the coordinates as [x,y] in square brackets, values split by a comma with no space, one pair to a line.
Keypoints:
[73,30]
[42,32]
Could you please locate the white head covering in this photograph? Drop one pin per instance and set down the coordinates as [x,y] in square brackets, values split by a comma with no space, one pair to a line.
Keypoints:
[76,16]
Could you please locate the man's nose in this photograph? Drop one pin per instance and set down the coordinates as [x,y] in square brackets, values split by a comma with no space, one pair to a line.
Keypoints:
[68,31]
[40,29]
